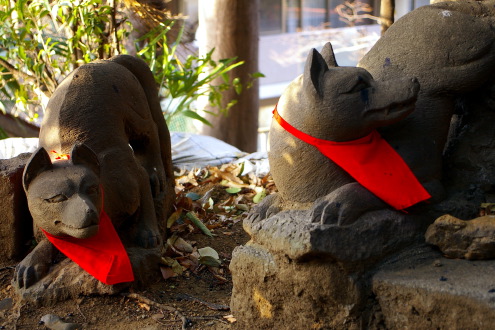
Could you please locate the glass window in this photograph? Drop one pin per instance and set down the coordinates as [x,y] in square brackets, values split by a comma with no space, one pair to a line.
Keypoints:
[271,16]
[279,16]
[293,15]
[314,14]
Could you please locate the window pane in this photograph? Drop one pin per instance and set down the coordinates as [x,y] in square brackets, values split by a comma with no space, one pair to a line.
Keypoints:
[270,16]
[314,14]
[293,20]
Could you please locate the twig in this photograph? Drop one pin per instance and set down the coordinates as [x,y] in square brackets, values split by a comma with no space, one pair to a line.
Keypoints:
[213,306]
[18,74]
[210,317]
[150,302]
[185,321]
[5,268]
[80,312]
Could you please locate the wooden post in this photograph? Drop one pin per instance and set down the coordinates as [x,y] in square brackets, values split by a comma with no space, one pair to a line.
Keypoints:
[387,9]
[232,29]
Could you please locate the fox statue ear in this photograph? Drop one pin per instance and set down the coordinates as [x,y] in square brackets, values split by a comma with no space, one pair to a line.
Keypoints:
[39,162]
[328,55]
[81,154]
[314,71]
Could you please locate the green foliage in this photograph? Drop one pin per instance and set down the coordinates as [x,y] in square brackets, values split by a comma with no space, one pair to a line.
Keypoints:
[3,134]
[42,41]
[183,82]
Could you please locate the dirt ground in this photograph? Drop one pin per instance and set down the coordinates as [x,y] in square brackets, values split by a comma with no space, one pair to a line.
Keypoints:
[200,298]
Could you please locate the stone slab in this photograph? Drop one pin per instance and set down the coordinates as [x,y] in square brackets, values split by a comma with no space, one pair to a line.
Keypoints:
[372,237]
[420,289]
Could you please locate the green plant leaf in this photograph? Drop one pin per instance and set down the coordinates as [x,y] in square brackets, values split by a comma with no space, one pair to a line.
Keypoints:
[195,115]
[193,196]
[194,219]
[259,196]
[233,190]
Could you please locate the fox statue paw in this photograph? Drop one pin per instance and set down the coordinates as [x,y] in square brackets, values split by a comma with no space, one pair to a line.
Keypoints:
[34,266]
[333,211]
[148,239]
[345,205]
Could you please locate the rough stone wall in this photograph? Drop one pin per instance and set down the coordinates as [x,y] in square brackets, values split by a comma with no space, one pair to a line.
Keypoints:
[15,220]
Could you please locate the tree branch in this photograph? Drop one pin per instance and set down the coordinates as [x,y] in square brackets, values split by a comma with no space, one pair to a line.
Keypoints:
[16,73]
[16,127]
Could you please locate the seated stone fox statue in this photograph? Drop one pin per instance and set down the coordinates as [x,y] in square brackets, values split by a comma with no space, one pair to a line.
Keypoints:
[102,178]
[405,90]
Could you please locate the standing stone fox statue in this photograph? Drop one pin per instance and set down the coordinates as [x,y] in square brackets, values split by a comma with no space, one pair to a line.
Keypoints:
[102,177]
[341,141]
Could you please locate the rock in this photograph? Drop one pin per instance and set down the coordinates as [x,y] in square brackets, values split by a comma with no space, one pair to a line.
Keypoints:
[6,303]
[54,322]
[67,280]
[456,238]
[15,220]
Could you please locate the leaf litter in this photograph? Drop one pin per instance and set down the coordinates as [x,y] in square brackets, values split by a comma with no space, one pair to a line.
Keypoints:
[209,201]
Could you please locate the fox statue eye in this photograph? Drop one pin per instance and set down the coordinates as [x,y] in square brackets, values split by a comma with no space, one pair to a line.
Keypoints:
[359,86]
[56,199]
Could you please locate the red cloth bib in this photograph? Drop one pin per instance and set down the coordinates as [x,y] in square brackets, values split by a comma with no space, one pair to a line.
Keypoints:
[373,163]
[103,255]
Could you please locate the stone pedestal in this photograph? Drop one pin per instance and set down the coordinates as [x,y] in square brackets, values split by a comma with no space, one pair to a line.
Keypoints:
[419,289]
[15,220]
[302,275]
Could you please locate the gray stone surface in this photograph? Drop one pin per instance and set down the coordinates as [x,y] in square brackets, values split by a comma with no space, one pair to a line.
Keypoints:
[66,280]
[373,236]
[420,289]
[456,238]
[15,220]
[415,289]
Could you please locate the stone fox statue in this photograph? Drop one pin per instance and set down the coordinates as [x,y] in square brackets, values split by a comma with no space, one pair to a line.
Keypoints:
[104,144]
[406,89]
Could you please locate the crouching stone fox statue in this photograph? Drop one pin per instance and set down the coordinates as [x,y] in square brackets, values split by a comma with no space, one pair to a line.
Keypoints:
[102,180]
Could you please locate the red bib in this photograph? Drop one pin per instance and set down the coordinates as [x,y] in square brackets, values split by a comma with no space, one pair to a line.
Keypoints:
[102,255]
[373,163]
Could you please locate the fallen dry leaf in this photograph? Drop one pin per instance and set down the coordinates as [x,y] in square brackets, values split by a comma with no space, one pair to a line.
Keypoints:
[230,318]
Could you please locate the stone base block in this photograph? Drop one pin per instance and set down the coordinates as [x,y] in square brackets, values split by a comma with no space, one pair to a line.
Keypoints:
[274,292]
[15,220]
